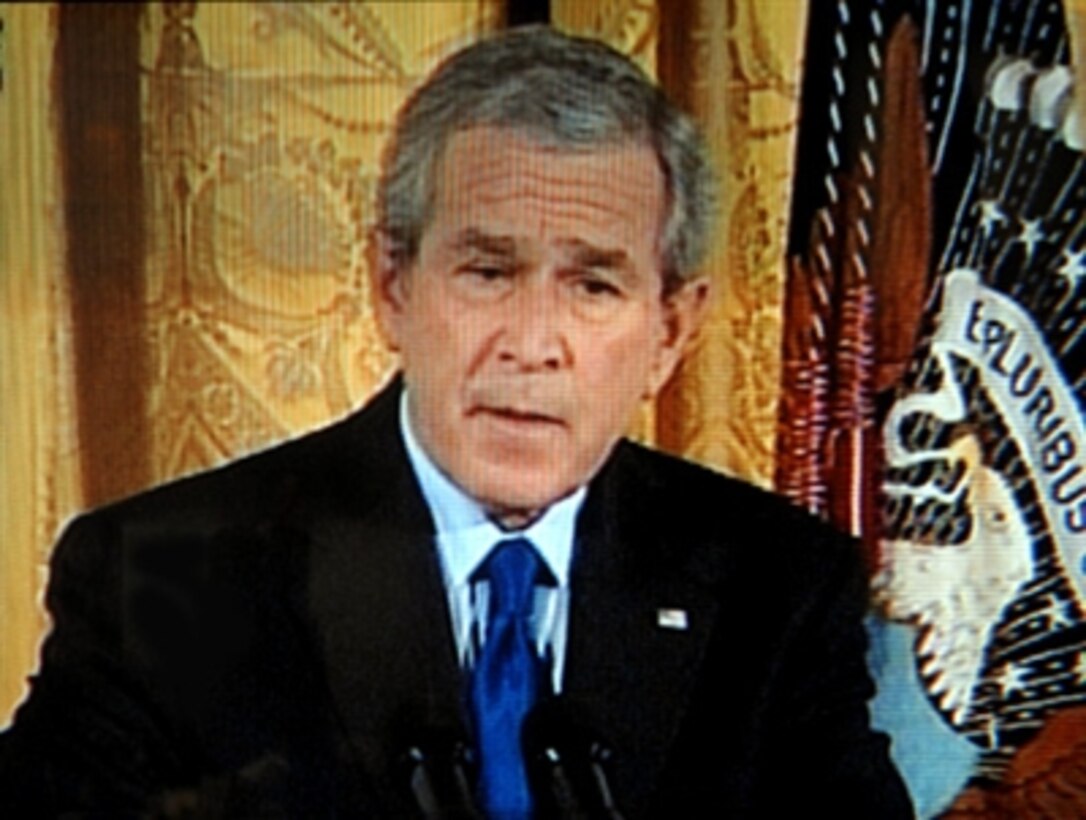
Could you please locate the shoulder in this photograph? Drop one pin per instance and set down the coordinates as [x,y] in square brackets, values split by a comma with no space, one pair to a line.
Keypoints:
[699,499]
[734,525]
[342,461]
[241,528]
[248,510]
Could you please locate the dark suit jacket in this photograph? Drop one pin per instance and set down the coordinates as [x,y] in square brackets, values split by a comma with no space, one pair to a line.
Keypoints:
[263,640]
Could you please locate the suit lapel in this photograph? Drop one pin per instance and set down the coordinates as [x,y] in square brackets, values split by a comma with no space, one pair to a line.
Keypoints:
[377,606]
[642,611]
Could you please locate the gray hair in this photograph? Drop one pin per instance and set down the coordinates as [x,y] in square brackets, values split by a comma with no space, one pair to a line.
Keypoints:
[564,92]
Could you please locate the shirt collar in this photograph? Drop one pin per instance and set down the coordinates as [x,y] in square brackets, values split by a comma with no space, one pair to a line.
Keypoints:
[466,535]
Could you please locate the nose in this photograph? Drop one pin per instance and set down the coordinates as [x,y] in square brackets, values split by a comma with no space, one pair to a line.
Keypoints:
[535,336]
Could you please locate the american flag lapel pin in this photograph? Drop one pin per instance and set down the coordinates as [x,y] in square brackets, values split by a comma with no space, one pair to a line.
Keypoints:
[669,618]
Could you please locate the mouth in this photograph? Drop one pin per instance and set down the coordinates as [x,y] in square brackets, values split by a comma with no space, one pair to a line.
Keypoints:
[517,416]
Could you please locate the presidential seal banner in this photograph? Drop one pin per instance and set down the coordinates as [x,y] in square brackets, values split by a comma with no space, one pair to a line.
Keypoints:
[937,282]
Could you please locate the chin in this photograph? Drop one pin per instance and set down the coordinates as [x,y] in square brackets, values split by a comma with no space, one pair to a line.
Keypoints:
[508,490]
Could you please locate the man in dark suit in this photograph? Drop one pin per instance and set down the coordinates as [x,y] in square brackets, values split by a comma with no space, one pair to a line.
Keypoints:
[472,597]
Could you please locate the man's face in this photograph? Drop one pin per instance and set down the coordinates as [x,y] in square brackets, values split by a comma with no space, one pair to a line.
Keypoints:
[532,322]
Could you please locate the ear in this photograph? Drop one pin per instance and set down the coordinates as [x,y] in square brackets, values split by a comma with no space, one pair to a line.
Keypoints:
[683,313]
[388,287]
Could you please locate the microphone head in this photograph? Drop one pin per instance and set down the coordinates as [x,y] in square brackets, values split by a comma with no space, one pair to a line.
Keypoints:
[437,767]
[567,761]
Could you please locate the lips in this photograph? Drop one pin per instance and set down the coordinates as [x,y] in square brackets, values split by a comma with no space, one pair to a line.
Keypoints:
[516,415]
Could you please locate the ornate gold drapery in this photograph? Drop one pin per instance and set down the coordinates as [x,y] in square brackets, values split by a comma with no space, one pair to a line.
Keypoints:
[39,457]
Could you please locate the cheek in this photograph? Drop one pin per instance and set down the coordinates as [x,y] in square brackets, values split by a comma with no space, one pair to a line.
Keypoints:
[618,378]
[432,342]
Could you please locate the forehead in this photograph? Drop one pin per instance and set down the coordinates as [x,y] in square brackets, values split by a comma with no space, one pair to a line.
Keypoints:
[505,183]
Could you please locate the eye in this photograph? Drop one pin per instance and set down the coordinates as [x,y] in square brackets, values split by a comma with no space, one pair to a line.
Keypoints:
[483,280]
[596,287]
[486,273]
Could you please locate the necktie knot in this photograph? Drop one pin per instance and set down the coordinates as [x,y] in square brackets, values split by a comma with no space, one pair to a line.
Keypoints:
[512,569]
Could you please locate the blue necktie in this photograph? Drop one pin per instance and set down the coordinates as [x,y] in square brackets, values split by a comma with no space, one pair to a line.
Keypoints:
[506,681]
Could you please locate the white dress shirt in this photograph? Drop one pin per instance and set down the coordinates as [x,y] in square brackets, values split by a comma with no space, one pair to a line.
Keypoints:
[465,536]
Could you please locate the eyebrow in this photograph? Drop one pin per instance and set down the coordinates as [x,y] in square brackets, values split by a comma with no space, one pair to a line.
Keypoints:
[589,256]
[477,240]
[583,254]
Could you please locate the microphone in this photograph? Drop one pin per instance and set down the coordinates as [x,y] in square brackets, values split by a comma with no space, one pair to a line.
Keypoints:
[567,763]
[437,769]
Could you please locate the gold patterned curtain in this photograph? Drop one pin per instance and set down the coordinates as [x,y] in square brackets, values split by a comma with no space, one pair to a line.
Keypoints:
[39,454]
[164,315]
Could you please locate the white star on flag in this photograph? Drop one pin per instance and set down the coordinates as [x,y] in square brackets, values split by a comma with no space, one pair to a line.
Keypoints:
[1030,235]
[990,214]
[1062,615]
[1012,678]
[1073,267]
